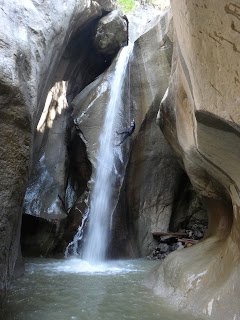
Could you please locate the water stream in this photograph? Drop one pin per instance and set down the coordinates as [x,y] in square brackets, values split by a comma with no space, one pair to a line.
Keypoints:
[72,289]
[101,199]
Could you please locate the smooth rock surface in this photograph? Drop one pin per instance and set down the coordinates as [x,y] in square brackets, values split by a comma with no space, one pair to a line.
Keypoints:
[48,178]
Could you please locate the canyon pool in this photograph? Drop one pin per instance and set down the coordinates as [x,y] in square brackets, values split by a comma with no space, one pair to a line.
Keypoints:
[72,289]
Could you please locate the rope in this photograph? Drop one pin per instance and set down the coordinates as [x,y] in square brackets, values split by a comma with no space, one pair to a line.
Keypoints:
[129,91]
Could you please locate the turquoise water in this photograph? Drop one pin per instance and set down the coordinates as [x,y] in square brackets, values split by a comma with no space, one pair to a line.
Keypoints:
[71,289]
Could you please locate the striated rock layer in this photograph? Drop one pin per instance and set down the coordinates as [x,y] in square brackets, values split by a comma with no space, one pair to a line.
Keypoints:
[201,119]
[33,39]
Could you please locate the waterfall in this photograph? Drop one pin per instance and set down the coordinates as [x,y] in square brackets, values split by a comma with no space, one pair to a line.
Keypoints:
[100,206]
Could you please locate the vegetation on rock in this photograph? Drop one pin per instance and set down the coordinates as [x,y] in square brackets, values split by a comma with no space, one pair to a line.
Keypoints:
[128,6]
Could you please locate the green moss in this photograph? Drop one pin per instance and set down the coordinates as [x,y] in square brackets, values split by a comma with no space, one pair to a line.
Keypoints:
[126,5]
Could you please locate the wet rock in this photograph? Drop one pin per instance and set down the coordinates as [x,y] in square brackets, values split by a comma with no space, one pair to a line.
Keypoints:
[179,245]
[38,236]
[197,235]
[173,247]
[162,247]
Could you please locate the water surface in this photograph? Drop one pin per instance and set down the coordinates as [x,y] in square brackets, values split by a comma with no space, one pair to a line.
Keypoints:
[72,289]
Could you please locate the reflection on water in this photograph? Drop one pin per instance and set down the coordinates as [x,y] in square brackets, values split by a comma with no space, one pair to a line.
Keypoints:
[73,289]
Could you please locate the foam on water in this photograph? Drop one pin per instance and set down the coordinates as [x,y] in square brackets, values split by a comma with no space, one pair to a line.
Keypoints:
[74,289]
[79,266]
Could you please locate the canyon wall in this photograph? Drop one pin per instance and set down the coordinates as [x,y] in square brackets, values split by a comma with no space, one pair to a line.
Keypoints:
[34,37]
[200,117]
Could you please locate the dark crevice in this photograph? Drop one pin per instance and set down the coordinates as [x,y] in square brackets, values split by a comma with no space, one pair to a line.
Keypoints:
[85,63]
[189,211]
[80,168]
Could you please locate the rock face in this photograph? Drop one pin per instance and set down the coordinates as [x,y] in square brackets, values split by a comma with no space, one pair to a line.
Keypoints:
[55,155]
[48,178]
[32,45]
[153,174]
[201,119]
[146,204]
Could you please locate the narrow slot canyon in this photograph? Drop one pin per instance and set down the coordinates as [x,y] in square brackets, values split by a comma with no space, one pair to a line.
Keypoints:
[119,160]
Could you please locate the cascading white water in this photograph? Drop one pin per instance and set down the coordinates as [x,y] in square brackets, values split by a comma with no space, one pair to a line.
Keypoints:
[100,206]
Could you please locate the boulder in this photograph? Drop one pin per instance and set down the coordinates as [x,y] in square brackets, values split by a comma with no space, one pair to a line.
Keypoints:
[201,119]
[89,108]
[111,33]
[162,247]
